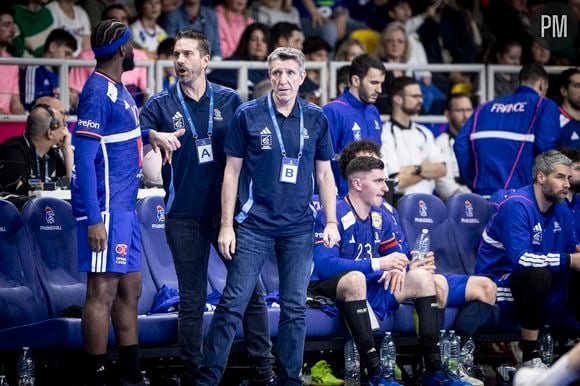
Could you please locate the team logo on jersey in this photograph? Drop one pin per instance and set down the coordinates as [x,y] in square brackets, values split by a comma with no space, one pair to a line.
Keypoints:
[121,249]
[377,238]
[160,213]
[306,135]
[266,139]
[377,220]
[178,122]
[377,125]
[112,92]
[422,208]
[352,240]
[356,132]
[574,136]
[468,208]
[49,215]
[537,237]
[127,105]
[557,227]
[217,115]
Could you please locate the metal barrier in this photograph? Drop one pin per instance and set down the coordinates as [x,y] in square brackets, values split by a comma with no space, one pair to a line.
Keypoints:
[492,69]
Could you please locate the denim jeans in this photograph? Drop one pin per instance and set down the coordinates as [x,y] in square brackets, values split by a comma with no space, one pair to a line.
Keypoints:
[189,240]
[294,257]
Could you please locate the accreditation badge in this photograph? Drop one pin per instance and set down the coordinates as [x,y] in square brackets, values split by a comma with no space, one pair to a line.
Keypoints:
[289,170]
[204,150]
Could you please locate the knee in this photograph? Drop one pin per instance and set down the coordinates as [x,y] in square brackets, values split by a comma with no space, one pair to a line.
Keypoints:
[441,289]
[488,291]
[421,282]
[534,281]
[352,286]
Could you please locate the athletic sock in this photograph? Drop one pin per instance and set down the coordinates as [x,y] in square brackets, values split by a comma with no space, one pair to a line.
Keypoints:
[472,316]
[95,369]
[129,363]
[356,317]
[530,349]
[428,315]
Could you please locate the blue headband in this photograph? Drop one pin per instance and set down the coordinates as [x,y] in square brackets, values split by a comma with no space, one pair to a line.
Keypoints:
[114,46]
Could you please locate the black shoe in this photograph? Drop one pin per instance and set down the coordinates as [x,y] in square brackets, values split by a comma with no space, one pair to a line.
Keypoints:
[266,382]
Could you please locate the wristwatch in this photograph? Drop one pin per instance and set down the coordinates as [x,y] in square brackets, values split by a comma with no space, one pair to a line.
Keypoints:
[418,170]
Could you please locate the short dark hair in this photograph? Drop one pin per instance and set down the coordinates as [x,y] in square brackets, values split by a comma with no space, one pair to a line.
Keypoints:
[5,9]
[363,164]
[112,7]
[570,152]
[283,29]
[315,44]
[565,76]
[361,65]
[202,42]
[105,33]
[399,84]
[242,52]
[343,76]
[453,97]
[350,152]
[166,47]
[61,38]
[532,72]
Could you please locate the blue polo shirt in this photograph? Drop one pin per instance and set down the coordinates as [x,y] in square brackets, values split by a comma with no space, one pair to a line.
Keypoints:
[350,120]
[192,189]
[267,205]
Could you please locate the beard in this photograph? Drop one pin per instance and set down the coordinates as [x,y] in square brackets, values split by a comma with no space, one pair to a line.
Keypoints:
[553,196]
[129,61]
[411,110]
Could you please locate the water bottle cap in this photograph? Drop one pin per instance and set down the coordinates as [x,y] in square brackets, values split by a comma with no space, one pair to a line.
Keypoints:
[424,230]
[25,348]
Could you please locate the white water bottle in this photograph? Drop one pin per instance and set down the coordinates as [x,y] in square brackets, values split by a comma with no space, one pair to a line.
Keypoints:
[25,368]
[351,364]
[388,355]
[422,245]
[454,348]
[547,346]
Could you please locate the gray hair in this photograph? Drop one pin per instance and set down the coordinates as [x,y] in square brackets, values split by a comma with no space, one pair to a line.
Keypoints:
[547,162]
[287,53]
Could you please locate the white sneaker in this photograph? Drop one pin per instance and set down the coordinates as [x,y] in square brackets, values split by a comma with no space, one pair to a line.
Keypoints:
[464,377]
[535,363]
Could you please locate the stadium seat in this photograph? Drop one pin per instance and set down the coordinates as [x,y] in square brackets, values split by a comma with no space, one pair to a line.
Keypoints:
[468,215]
[21,298]
[51,227]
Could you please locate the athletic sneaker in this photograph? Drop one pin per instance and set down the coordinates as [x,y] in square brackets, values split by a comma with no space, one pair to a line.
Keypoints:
[465,377]
[442,377]
[381,381]
[535,363]
[322,375]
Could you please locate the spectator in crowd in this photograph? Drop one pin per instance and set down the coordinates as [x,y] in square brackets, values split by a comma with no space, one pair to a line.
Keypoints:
[274,171]
[254,45]
[459,109]
[165,52]
[147,34]
[271,12]
[193,225]
[563,373]
[540,54]
[505,52]
[286,34]
[408,148]
[371,13]
[353,116]
[34,22]
[232,17]
[529,250]
[496,147]
[569,81]
[315,50]
[193,15]
[104,187]
[135,80]
[95,9]
[9,89]
[348,50]
[36,80]
[43,153]
[377,275]
[74,19]
[342,80]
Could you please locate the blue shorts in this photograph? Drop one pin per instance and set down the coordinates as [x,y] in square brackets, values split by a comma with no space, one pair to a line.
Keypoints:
[123,250]
[381,300]
[457,287]
[557,299]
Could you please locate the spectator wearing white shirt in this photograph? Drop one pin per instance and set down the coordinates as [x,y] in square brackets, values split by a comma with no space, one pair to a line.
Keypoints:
[73,19]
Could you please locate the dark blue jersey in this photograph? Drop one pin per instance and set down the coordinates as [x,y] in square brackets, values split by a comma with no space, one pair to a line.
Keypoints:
[360,241]
[192,189]
[519,236]
[266,204]
[574,206]
[496,147]
[570,134]
[107,114]
[35,82]
[350,120]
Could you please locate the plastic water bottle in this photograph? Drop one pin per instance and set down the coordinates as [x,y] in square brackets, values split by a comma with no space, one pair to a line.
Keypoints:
[146,380]
[351,364]
[388,355]
[454,344]
[3,381]
[422,245]
[547,346]
[25,368]
[466,355]
[444,347]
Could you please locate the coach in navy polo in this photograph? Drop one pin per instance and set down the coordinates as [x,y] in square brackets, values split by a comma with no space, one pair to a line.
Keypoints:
[193,184]
[276,146]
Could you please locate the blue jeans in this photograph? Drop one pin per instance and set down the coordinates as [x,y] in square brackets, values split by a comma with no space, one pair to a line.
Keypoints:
[294,257]
[189,240]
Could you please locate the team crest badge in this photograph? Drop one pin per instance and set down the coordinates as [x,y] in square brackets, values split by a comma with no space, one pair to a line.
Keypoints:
[266,139]
[468,208]
[160,212]
[377,220]
[217,115]
[422,208]
[49,215]
[178,122]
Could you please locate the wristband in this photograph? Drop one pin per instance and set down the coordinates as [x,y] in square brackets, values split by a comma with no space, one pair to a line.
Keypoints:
[331,222]
[376,265]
